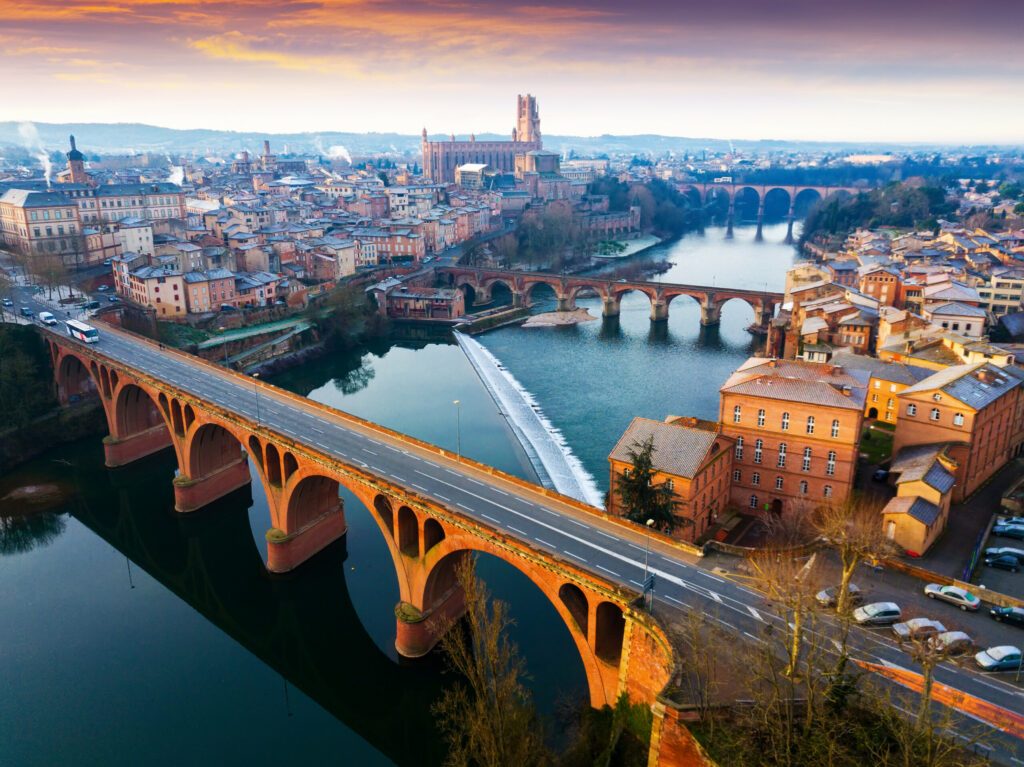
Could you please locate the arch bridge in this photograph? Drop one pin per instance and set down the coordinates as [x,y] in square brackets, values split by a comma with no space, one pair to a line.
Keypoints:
[708,193]
[568,287]
[224,427]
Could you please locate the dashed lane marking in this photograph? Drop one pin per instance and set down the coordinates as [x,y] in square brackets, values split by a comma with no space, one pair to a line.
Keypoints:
[446,500]
[419,487]
[517,530]
[577,556]
[602,532]
[755,613]
[599,567]
[544,543]
[492,519]
[367,450]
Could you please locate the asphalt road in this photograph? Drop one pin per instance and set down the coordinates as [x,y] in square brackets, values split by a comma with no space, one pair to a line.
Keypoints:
[606,550]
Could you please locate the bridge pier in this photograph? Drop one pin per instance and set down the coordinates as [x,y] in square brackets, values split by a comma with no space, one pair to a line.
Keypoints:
[417,631]
[659,311]
[760,222]
[193,494]
[710,314]
[609,307]
[566,303]
[121,451]
[519,299]
[789,227]
[730,218]
[286,551]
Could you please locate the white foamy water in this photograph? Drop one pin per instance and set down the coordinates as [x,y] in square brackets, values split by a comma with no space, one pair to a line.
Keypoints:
[544,444]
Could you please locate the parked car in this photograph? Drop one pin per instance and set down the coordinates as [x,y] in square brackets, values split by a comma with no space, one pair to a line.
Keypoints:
[1010,520]
[108,261]
[917,628]
[1009,531]
[1005,562]
[955,595]
[113,299]
[8,302]
[828,597]
[103,288]
[951,643]
[47,319]
[1003,658]
[26,311]
[880,475]
[877,614]
[1012,615]
[1001,551]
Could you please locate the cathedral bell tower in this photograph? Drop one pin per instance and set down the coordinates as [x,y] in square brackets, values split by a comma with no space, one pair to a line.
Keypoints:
[76,166]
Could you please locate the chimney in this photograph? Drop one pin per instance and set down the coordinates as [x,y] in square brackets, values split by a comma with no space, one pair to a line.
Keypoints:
[266,148]
[837,370]
[847,391]
[984,375]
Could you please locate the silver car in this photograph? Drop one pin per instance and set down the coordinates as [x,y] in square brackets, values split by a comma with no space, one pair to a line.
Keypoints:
[877,614]
[951,642]
[955,595]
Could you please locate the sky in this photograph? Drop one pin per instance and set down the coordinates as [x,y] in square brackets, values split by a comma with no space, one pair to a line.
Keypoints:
[860,70]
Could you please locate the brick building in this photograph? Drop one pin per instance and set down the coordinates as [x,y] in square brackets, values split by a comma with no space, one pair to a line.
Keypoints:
[691,457]
[796,427]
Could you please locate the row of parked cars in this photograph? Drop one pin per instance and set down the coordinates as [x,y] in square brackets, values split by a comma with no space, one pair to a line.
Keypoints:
[1009,527]
[933,632]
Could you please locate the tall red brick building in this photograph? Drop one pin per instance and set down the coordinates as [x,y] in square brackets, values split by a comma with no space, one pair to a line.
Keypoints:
[441,158]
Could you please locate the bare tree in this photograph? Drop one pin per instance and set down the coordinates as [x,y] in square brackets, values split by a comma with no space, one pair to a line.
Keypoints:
[488,716]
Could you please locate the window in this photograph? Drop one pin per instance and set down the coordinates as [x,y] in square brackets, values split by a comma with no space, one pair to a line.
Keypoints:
[830,467]
[778,483]
[874,398]
[937,397]
[670,485]
[739,448]
[753,501]
[878,384]
[755,478]
[958,419]
[760,417]
[828,491]
[736,476]
[835,428]
[810,424]
[807,459]
[890,403]
[935,414]
[758,447]
[626,473]
[803,487]
[782,454]
[737,413]
[911,409]
[785,421]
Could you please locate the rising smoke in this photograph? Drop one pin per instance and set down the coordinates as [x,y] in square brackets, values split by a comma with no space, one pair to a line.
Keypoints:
[335,152]
[30,138]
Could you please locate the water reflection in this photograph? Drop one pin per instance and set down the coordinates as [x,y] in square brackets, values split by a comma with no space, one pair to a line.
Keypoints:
[21,533]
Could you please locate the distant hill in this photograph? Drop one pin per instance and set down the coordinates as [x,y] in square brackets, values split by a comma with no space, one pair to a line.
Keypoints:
[127,138]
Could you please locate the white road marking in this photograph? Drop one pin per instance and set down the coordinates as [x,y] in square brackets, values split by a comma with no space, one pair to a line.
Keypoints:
[463,506]
[672,599]
[599,567]
[492,519]
[367,450]
[602,532]
[321,444]
[755,613]
[419,487]
[379,471]
[578,524]
[517,530]
[756,639]
[709,575]
[581,559]
[393,448]
[545,543]
[446,500]
[638,548]
[318,431]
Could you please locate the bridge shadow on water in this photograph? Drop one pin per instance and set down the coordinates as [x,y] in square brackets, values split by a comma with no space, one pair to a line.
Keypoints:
[304,625]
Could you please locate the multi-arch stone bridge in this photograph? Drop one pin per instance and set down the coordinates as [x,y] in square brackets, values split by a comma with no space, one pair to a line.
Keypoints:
[221,424]
[568,287]
[707,194]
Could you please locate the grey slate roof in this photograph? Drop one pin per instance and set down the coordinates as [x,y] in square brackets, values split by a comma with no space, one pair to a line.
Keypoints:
[678,449]
[962,383]
[924,511]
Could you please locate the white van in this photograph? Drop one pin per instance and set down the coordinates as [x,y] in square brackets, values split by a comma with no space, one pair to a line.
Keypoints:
[47,319]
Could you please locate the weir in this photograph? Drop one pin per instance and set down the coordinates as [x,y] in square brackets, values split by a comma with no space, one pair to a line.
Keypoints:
[552,458]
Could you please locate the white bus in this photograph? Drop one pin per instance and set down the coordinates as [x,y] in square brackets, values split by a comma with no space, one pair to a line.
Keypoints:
[82,332]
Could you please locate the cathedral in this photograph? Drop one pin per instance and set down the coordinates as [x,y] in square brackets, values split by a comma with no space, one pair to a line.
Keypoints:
[441,158]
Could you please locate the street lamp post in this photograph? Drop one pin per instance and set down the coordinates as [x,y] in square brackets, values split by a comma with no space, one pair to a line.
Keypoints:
[458,429]
[256,390]
[647,555]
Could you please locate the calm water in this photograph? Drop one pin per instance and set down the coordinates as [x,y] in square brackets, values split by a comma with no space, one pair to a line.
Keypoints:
[131,633]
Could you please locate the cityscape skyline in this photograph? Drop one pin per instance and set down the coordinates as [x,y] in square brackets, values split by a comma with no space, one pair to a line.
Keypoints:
[789,72]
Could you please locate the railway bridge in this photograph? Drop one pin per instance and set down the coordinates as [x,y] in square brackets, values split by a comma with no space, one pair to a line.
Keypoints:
[707,194]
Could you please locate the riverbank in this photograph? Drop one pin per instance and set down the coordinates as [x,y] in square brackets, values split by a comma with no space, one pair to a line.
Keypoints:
[630,247]
[58,427]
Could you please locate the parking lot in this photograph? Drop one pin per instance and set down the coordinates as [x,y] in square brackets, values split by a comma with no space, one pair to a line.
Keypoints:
[1002,581]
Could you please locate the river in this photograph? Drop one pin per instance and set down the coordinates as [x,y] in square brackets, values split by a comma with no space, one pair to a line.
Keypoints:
[131,633]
